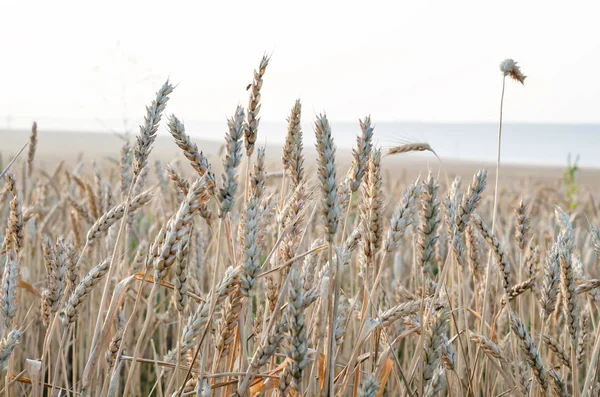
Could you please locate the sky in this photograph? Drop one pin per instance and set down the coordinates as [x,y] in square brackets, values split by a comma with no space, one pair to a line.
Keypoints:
[430,61]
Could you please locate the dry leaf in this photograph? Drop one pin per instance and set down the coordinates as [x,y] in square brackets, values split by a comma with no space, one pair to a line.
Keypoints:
[385,374]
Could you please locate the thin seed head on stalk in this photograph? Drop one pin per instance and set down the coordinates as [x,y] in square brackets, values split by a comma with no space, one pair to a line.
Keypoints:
[125,169]
[230,314]
[82,291]
[530,352]
[564,222]
[342,320]
[558,350]
[232,159]
[147,134]
[31,149]
[531,260]
[98,188]
[8,297]
[92,201]
[197,160]
[251,130]
[489,347]
[582,343]
[520,288]
[429,222]
[55,260]
[371,206]
[180,183]
[7,345]
[448,355]
[587,286]
[470,200]
[403,216]
[397,312]
[521,225]
[181,285]
[567,288]
[369,387]
[497,250]
[434,341]
[258,174]
[177,229]
[141,180]
[436,384]
[196,321]
[361,153]
[114,214]
[298,349]
[15,232]
[285,381]
[292,157]
[551,282]
[72,257]
[410,147]
[327,175]
[113,347]
[292,222]
[251,245]
[559,386]
[596,239]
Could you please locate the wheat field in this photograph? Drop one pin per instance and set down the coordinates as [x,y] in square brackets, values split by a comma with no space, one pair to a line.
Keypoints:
[234,276]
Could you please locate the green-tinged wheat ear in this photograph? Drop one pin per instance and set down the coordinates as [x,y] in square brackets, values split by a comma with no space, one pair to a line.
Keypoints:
[327,176]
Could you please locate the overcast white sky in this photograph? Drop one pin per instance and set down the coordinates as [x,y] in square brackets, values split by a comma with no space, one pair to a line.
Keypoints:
[397,60]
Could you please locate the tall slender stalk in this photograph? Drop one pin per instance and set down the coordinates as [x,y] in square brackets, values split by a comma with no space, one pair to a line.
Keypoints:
[495,210]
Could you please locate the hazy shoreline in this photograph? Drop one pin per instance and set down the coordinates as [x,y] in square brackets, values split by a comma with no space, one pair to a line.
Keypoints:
[523,144]
[54,146]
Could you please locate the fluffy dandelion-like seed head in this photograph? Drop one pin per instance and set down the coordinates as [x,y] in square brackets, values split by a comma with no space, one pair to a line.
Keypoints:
[510,68]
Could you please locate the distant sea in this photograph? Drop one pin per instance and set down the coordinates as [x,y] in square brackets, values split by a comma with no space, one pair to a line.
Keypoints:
[522,143]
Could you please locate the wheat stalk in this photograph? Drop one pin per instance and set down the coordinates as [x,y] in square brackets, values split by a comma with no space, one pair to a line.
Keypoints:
[292,157]
[232,159]
[82,291]
[32,148]
[251,130]
[147,134]
[530,352]
[410,147]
